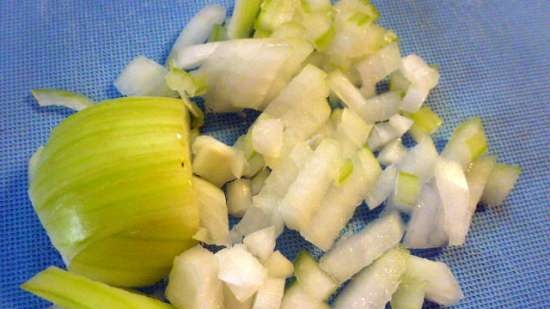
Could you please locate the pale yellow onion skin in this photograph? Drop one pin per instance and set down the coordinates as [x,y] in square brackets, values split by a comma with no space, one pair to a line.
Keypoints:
[113,189]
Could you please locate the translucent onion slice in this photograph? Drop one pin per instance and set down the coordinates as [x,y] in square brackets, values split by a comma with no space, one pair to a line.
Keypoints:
[382,188]
[373,287]
[143,77]
[441,285]
[392,153]
[467,143]
[239,196]
[349,255]
[311,278]
[73,291]
[418,72]
[500,183]
[213,212]
[198,29]
[421,159]
[261,243]
[58,97]
[193,282]
[258,181]
[376,67]
[478,175]
[193,56]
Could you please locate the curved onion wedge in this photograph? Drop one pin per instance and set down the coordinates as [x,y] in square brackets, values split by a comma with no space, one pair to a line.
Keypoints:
[113,189]
[58,97]
[72,291]
[143,77]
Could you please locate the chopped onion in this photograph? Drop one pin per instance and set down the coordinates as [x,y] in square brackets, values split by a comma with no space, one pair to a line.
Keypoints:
[295,297]
[58,97]
[231,302]
[409,295]
[352,130]
[198,29]
[278,266]
[261,243]
[306,192]
[419,72]
[258,181]
[392,153]
[426,120]
[477,176]
[215,161]
[340,202]
[406,191]
[467,143]
[425,227]
[242,19]
[193,282]
[382,134]
[376,67]
[254,219]
[213,212]
[193,56]
[500,183]
[311,278]
[421,159]
[143,77]
[414,98]
[382,188]
[239,196]
[275,13]
[254,165]
[241,271]
[401,124]
[349,255]
[267,137]
[373,287]
[453,189]
[441,286]
[270,294]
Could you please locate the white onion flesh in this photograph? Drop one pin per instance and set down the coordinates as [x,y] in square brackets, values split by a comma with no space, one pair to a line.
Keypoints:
[267,137]
[213,212]
[414,98]
[198,29]
[261,243]
[477,175]
[270,294]
[382,188]
[258,181]
[349,255]
[239,196]
[421,159]
[376,67]
[381,134]
[295,297]
[392,153]
[143,77]
[278,266]
[311,278]
[231,302]
[215,161]
[57,97]
[241,271]
[401,124]
[193,56]
[418,72]
[500,183]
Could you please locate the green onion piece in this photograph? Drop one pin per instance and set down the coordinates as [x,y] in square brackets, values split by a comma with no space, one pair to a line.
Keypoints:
[426,120]
[218,34]
[72,291]
[244,16]
[345,171]
[407,188]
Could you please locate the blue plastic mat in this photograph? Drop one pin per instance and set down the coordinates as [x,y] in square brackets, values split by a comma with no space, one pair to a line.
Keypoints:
[495,62]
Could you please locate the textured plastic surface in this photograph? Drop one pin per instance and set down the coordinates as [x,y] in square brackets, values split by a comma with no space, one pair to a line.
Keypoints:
[495,62]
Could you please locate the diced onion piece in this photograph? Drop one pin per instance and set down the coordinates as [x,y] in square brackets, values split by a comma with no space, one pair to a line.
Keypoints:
[478,175]
[143,77]
[425,227]
[267,137]
[261,243]
[398,83]
[373,287]
[421,159]
[244,144]
[419,72]
[270,294]
[213,212]
[441,285]
[278,266]
[376,67]
[349,255]
[500,184]
[426,120]
[58,97]
[257,182]
[401,124]
[193,56]
[356,37]
[346,169]
[241,271]
[317,5]
[306,192]
[254,165]
[231,302]
[382,188]
[275,13]
[329,220]
[239,196]
[352,128]
[193,282]
[215,161]
[219,33]
[453,189]
[295,297]
[414,98]
[186,84]
[467,143]
[382,134]
[406,191]
[302,104]
[198,29]
[70,290]
[242,20]
[311,278]
[409,295]
[254,219]
[392,153]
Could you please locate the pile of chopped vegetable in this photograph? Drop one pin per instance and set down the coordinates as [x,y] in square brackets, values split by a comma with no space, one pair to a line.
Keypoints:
[129,190]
